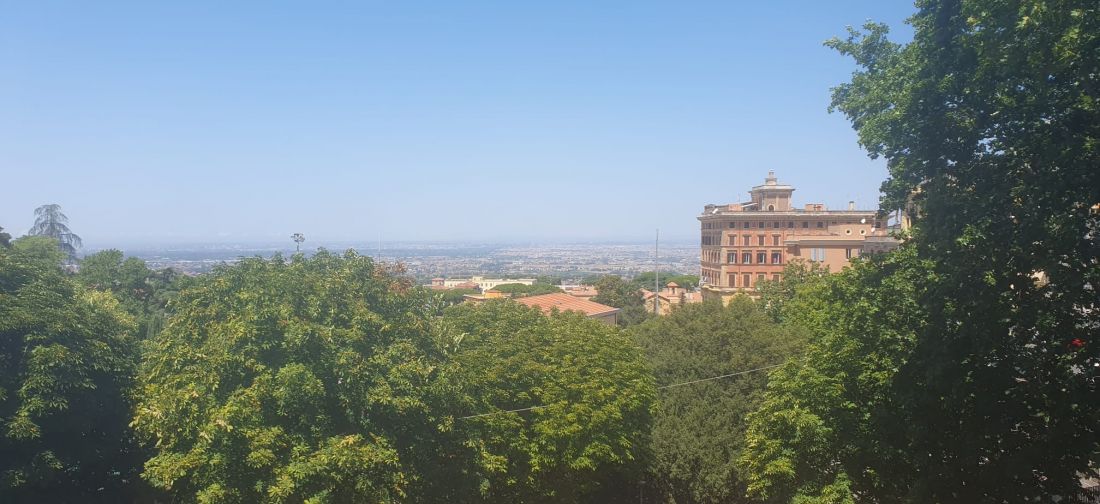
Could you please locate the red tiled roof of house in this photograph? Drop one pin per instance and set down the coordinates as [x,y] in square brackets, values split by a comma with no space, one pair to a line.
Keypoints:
[565,302]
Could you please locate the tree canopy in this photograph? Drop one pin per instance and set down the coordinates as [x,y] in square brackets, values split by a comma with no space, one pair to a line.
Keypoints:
[66,361]
[828,427]
[698,430]
[990,124]
[591,389]
[288,381]
[331,379]
[534,289]
[775,297]
[615,292]
[142,292]
[49,221]
[962,368]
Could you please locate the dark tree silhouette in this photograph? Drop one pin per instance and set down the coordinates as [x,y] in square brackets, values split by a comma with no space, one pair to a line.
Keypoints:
[50,221]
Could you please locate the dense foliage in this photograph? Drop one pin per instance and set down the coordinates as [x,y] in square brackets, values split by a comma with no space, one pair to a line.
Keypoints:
[774,296]
[520,290]
[329,379]
[450,297]
[593,392]
[698,430]
[990,118]
[962,368]
[286,381]
[626,296]
[66,362]
[143,293]
[829,424]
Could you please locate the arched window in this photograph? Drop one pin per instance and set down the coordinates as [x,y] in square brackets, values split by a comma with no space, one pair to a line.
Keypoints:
[771,208]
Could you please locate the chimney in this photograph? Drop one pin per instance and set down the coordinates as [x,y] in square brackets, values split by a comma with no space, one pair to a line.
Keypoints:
[851,205]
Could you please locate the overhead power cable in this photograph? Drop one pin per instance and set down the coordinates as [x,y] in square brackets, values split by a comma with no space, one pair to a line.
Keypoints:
[717,377]
[662,387]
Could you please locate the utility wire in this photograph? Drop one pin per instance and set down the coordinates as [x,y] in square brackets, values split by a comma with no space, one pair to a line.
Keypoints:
[671,385]
[718,377]
[529,408]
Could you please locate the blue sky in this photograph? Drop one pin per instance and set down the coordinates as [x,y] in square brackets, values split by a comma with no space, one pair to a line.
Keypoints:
[453,120]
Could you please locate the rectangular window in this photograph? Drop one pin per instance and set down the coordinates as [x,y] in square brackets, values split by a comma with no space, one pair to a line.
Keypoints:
[805,224]
[733,239]
[747,240]
[760,240]
[731,225]
[775,277]
[733,280]
[775,240]
[777,258]
[745,280]
[762,226]
[790,224]
[847,253]
[748,225]
[760,277]
[820,224]
[817,254]
[761,258]
[775,225]
[746,258]
[731,257]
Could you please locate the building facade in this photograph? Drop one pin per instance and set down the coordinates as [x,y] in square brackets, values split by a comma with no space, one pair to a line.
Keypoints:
[745,243]
[481,283]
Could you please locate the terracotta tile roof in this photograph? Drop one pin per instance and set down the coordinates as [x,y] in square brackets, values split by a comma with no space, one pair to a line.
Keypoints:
[565,302]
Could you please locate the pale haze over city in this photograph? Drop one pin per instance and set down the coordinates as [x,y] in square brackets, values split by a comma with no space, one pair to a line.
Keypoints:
[154,123]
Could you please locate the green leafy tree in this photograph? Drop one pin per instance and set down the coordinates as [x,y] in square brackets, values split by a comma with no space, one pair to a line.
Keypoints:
[5,238]
[591,279]
[144,293]
[452,297]
[291,381]
[585,394]
[830,427]
[518,290]
[646,280]
[775,297]
[66,363]
[989,121]
[548,279]
[49,221]
[698,431]
[627,297]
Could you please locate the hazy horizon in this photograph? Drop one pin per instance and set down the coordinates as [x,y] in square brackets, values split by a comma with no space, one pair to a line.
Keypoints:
[487,121]
[372,245]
